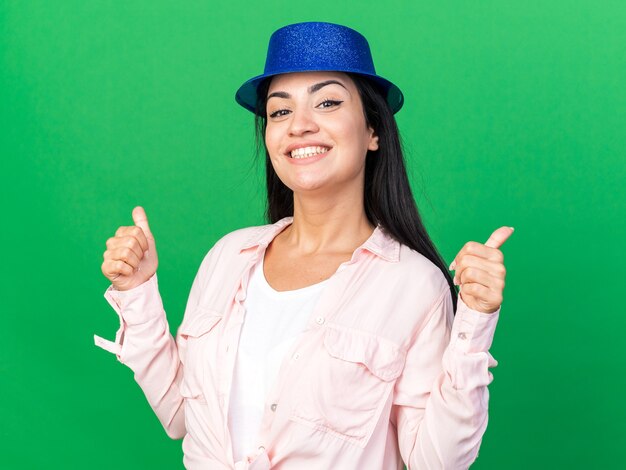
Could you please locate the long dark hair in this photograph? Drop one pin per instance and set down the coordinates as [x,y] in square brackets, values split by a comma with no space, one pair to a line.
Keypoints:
[388,198]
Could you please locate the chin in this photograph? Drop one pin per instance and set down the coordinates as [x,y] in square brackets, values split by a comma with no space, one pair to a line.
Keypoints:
[305,183]
[307,188]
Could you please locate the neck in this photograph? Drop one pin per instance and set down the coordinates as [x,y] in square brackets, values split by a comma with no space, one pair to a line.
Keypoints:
[333,224]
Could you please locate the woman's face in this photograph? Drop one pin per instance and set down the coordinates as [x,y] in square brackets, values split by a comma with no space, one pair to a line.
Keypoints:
[316,133]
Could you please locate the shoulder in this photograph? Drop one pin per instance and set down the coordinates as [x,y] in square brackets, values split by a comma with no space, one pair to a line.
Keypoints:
[404,266]
[426,290]
[241,240]
[420,270]
[419,280]
[237,239]
[404,272]
[227,255]
[396,290]
[233,242]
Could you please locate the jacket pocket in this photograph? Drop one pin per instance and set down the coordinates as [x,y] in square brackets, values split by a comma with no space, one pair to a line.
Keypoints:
[196,338]
[347,384]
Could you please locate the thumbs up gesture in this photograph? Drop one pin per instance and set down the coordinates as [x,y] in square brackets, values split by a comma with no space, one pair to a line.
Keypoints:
[480,272]
[131,258]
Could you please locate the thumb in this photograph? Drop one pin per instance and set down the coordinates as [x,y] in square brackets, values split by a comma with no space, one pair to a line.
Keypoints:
[141,220]
[499,236]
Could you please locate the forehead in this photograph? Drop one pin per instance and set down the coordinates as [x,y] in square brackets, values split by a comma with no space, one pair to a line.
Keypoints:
[296,80]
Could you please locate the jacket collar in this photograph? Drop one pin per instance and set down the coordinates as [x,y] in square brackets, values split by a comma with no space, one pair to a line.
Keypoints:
[379,243]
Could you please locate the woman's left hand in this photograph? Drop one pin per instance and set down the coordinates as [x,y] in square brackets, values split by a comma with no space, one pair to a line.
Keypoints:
[480,272]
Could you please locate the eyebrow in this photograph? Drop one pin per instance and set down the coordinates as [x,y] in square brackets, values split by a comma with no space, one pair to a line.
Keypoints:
[312,89]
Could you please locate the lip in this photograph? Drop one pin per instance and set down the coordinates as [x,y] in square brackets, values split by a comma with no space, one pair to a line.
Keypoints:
[300,145]
[308,160]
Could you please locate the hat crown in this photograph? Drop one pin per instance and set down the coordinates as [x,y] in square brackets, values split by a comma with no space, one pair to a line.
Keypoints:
[318,46]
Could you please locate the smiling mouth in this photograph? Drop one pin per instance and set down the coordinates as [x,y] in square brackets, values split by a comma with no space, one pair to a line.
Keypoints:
[306,152]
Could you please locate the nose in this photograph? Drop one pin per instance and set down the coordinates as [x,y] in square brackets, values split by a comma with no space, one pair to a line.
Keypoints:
[302,122]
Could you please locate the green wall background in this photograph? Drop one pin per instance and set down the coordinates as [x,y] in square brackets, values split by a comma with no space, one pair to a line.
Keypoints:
[515,115]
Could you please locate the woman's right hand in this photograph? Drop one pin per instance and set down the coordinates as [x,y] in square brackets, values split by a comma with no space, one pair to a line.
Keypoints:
[131,257]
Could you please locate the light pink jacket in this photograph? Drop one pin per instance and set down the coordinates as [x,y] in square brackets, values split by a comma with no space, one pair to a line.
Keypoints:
[383,374]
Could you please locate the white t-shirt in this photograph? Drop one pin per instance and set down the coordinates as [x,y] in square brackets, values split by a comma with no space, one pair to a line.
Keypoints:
[272,323]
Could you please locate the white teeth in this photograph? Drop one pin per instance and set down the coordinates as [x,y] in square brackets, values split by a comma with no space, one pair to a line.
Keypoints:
[306,152]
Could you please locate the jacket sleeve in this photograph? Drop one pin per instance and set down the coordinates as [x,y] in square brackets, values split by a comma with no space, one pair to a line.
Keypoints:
[441,399]
[144,343]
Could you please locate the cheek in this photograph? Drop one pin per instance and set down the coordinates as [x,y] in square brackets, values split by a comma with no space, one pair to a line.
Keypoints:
[273,149]
[355,133]
[272,143]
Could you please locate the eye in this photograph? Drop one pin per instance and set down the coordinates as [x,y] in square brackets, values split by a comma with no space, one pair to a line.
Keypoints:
[279,113]
[329,103]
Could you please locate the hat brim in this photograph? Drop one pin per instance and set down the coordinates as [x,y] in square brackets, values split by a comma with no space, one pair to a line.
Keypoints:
[246,95]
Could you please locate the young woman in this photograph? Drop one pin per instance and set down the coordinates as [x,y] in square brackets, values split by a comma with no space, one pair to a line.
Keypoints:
[328,338]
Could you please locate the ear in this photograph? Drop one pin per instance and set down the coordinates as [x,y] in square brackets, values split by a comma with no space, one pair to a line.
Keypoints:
[373,143]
